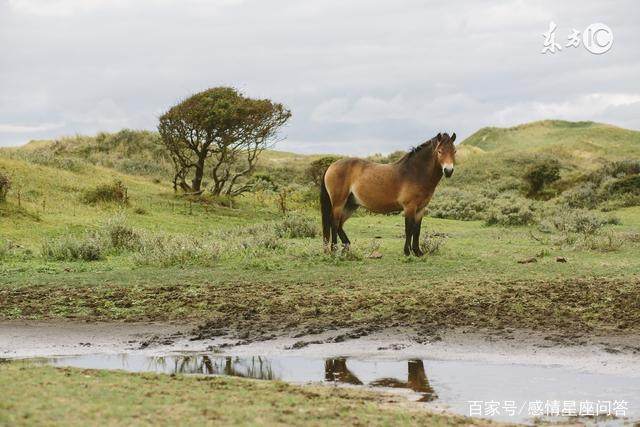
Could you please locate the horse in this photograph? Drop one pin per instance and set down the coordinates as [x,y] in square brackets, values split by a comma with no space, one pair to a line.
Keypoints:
[406,185]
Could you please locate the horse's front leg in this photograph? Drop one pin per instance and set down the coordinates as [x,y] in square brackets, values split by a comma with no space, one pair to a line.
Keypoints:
[409,227]
[415,246]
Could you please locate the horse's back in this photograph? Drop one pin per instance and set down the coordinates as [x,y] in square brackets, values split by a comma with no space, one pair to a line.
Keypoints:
[374,185]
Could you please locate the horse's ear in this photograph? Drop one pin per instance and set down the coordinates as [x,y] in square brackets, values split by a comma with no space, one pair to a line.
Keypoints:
[439,137]
[453,137]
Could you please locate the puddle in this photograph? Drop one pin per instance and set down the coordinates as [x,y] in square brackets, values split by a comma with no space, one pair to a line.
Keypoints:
[504,392]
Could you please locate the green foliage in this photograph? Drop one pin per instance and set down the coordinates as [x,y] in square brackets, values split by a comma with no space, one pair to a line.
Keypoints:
[389,158]
[115,192]
[69,248]
[223,132]
[432,243]
[119,235]
[51,159]
[453,203]
[296,225]
[5,185]
[625,185]
[579,221]
[128,151]
[540,174]
[317,168]
[163,250]
[511,211]
[584,195]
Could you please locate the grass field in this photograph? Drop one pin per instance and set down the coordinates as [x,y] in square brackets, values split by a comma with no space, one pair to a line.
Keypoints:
[224,264]
[54,396]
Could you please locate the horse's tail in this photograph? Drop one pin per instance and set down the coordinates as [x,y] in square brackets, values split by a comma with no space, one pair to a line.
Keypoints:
[325,209]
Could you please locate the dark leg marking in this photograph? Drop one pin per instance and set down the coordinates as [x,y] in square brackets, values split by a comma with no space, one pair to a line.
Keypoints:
[416,238]
[409,222]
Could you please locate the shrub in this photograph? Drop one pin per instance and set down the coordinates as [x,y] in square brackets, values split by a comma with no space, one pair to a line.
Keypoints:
[543,172]
[165,251]
[69,248]
[432,243]
[295,225]
[575,221]
[116,192]
[457,204]
[626,185]
[5,185]
[5,249]
[119,235]
[316,169]
[510,211]
[46,158]
[582,196]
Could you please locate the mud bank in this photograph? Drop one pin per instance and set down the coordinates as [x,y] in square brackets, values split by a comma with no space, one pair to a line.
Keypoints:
[611,354]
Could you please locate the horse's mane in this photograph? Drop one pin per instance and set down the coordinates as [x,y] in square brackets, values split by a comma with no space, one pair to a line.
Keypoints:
[431,143]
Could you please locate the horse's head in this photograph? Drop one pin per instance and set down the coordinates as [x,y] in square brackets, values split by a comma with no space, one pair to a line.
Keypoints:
[446,152]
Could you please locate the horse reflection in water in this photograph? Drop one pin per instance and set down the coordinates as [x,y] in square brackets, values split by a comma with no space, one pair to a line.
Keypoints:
[337,370]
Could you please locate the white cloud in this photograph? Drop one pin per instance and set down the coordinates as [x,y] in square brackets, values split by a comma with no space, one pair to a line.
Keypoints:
[585,107]
[383,75]
[15,128]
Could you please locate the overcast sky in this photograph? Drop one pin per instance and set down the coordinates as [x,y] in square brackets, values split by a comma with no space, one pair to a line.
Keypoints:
[359,76]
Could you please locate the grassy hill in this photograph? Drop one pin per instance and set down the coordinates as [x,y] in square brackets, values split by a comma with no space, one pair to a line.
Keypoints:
[163,256]
[581,143]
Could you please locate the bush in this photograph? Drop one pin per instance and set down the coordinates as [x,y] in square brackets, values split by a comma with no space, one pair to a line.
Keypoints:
[576,221]
[295,225]
[457,204]
[510,211]
[46,158]
[316,169]
[68,248]
[543,172]
[626,185]
[116,192]
[119,235]
[582,196]
[5,185]
[432,243]
[165,251]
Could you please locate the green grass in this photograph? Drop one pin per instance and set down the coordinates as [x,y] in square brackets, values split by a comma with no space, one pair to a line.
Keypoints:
[55,396]
[473,280]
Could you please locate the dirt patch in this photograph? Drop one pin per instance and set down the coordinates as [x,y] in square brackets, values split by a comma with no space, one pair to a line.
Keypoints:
[258,311]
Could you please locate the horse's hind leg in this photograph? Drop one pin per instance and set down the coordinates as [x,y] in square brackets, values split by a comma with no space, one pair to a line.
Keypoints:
[348,210]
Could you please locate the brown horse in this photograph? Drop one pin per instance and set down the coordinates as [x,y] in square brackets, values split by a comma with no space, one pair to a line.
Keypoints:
[406,185]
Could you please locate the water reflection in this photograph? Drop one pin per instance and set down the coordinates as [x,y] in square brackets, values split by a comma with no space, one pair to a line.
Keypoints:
[337,370]
[416,381]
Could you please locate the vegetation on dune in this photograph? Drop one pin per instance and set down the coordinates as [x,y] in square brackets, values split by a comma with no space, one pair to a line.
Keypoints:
[48,395]
[97,240]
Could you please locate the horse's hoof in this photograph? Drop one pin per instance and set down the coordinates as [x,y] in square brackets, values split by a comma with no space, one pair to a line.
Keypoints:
[407,252]
[346,247]
[418,252]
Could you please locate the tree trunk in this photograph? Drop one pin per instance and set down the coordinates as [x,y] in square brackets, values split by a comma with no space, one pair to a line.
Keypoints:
[196,183]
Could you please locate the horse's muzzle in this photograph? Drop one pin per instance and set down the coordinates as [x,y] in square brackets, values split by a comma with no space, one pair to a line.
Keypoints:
[447,172]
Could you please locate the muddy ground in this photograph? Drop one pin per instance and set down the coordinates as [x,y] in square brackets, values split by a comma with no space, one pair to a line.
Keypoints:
[612,354]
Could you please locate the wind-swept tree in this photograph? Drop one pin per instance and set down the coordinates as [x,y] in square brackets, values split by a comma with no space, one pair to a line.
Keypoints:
[219,133]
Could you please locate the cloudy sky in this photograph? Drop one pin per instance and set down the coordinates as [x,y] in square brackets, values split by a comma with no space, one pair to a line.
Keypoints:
[359,76]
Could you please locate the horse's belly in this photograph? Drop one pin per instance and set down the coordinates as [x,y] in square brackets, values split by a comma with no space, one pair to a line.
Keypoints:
[376,204]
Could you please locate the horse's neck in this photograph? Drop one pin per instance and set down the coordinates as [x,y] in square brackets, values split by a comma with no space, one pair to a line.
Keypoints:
[424,170]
